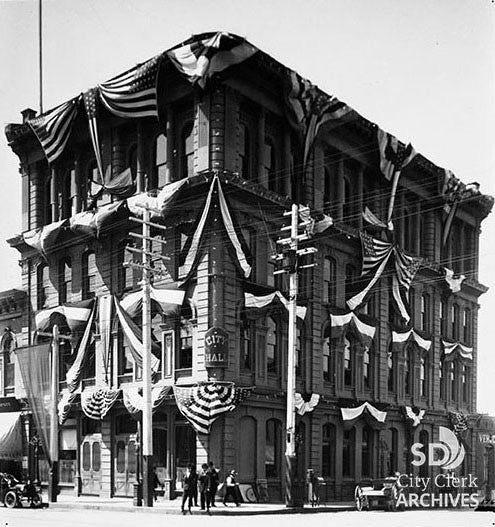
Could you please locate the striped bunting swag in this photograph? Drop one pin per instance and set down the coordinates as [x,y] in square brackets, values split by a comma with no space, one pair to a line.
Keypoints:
[454,349]
[459,422]
[133,93]
[201,405]
[90,101]
[376,255]
[53,128]
[97,404]
[134,401]
[76,315]
[311,108]
[201,59]
[406,268]
[65,404]
[400,337]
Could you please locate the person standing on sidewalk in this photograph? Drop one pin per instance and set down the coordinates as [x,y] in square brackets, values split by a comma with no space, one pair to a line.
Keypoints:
[231,488]
[212,484]
[203,487]
[189,486]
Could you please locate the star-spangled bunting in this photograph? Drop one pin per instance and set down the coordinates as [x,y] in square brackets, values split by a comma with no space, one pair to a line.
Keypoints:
[202,405]
[459,422]
[133,93]
[90,101]
[53,128]
[97,404]
[394,156]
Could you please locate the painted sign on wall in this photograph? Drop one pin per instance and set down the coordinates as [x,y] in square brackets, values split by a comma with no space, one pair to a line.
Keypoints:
[216,348]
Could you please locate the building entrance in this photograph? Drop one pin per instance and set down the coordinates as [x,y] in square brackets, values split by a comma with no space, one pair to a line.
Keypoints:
[91,464]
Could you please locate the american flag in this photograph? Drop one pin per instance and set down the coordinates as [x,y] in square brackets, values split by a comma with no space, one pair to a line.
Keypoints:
[97,404]
[201,405]
[459,422]
[133,93]
[90,101]
[394,156]
[406,268]
[311,108]
[203,57]
[53,128]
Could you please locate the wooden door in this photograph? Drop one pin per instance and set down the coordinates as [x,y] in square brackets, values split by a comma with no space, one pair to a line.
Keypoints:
[91,465]
[125,467]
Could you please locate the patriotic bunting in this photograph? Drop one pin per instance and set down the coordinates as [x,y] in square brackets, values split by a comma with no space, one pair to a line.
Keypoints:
[349,414]
[361,326]
[105,320]
[394,156]
[309,109]
[456,349]
[54,127]
[252,301]
[414,415]
[45,239]
[401,337]
[201,59]
[96,405]
[65,404]
[90,100]
[134,401]
[304,405]
[376,256]
[195,243]
[454,280]
[168,300]
[133,93]
[459,422]
[201,405]
[76,314]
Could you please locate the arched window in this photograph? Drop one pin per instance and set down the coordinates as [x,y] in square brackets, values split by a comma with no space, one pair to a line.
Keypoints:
[161,173]
[367,452]
[42,277]
[367,369]
[407,371]
[424,440]
[247,448]
[466,326]
[270,165]
[272,344]
[348,441]
[453,381]
[187,150]
[329,280]
[273,448]
[422,377]
[390,371]
[88,275]
[441,379]
[347,363]
[65,280]
[246,344]
[328,451]
[326,345]
[245,151]
[425,312]
[8,345]
[464,381]
[455,321]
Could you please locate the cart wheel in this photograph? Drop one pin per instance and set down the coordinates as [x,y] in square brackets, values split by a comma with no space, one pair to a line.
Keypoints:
[10,499]
[360,500]
[250,495]
[36,501]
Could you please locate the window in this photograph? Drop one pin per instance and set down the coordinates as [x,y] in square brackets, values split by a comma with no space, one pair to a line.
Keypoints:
[367,452]
[466,326]
[329,280]
[348,453]
[347,363]
[187,150]
[42,278]
[8,344]
[422,377]
[408,230]
[328,451]
[444,313]
[391,371]
[455,321]
[168,347]
[65,280]
[464,380]
[246,345]
[161,175]
[407,371]
[273,440]
[126,363]
[249,238]
[424,440]
[245,151]
[348,202]
[270,165]
[326,352]
[64,195]
[47,202]
[88,275]
[425,312]
[453,381]
[299,352]
[185,344]
[441,380]
[367,367]
[272,346]
[393,451]
[66,356]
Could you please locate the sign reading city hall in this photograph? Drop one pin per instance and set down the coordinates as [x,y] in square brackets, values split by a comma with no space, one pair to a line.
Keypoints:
[216,348]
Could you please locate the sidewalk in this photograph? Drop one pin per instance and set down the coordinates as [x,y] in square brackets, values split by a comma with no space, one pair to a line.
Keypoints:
[173,507]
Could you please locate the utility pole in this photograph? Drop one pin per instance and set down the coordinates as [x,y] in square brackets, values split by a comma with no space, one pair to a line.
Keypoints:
[290,265]
[147,258]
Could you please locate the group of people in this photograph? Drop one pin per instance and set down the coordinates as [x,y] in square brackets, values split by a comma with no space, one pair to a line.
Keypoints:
[207,483]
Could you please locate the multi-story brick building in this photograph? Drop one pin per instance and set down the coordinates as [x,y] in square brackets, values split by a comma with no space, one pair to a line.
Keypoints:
[238,125]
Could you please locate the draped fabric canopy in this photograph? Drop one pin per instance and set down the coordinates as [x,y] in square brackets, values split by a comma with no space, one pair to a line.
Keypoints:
[268,301]
[342,324]
[134,401]
[349,414]
[97,404]
[404,336]
[304,405]
[452,350]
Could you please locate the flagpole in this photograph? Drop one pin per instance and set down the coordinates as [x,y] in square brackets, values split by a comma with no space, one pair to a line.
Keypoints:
[40,27]
[53,481]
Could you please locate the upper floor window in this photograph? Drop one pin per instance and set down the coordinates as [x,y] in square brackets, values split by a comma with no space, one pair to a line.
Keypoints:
[466,326]
[367,367]
[453,381]
[246,345]
[88,275]
[8,344]
[455,321]
[350,278]
[187,150]
[42,277]
[299,352]
[390,371]
[185,358]
[329,280]
[161,173]
[64,195]
[347,363]
[425,312]
[407,371]
[367,451]
[270,165]
[422,377]
[65,280]
[245,151]
[327,352]
[272,345]
[441,379]
[47,202]
[444,317]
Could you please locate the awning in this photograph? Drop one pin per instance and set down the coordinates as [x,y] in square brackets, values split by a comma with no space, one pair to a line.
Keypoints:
[10,435]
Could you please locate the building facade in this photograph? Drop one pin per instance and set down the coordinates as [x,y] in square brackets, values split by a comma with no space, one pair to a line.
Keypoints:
[236,126]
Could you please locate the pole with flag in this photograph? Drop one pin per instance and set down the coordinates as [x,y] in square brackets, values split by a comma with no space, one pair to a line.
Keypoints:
[53,481]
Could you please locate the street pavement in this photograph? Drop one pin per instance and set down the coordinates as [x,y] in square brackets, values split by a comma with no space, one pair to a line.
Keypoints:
[55,517]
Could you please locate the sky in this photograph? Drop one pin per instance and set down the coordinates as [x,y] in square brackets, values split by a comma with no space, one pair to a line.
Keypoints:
[423,70]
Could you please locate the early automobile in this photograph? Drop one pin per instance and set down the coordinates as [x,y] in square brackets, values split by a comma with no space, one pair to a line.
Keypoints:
[14,493]
[378,493]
